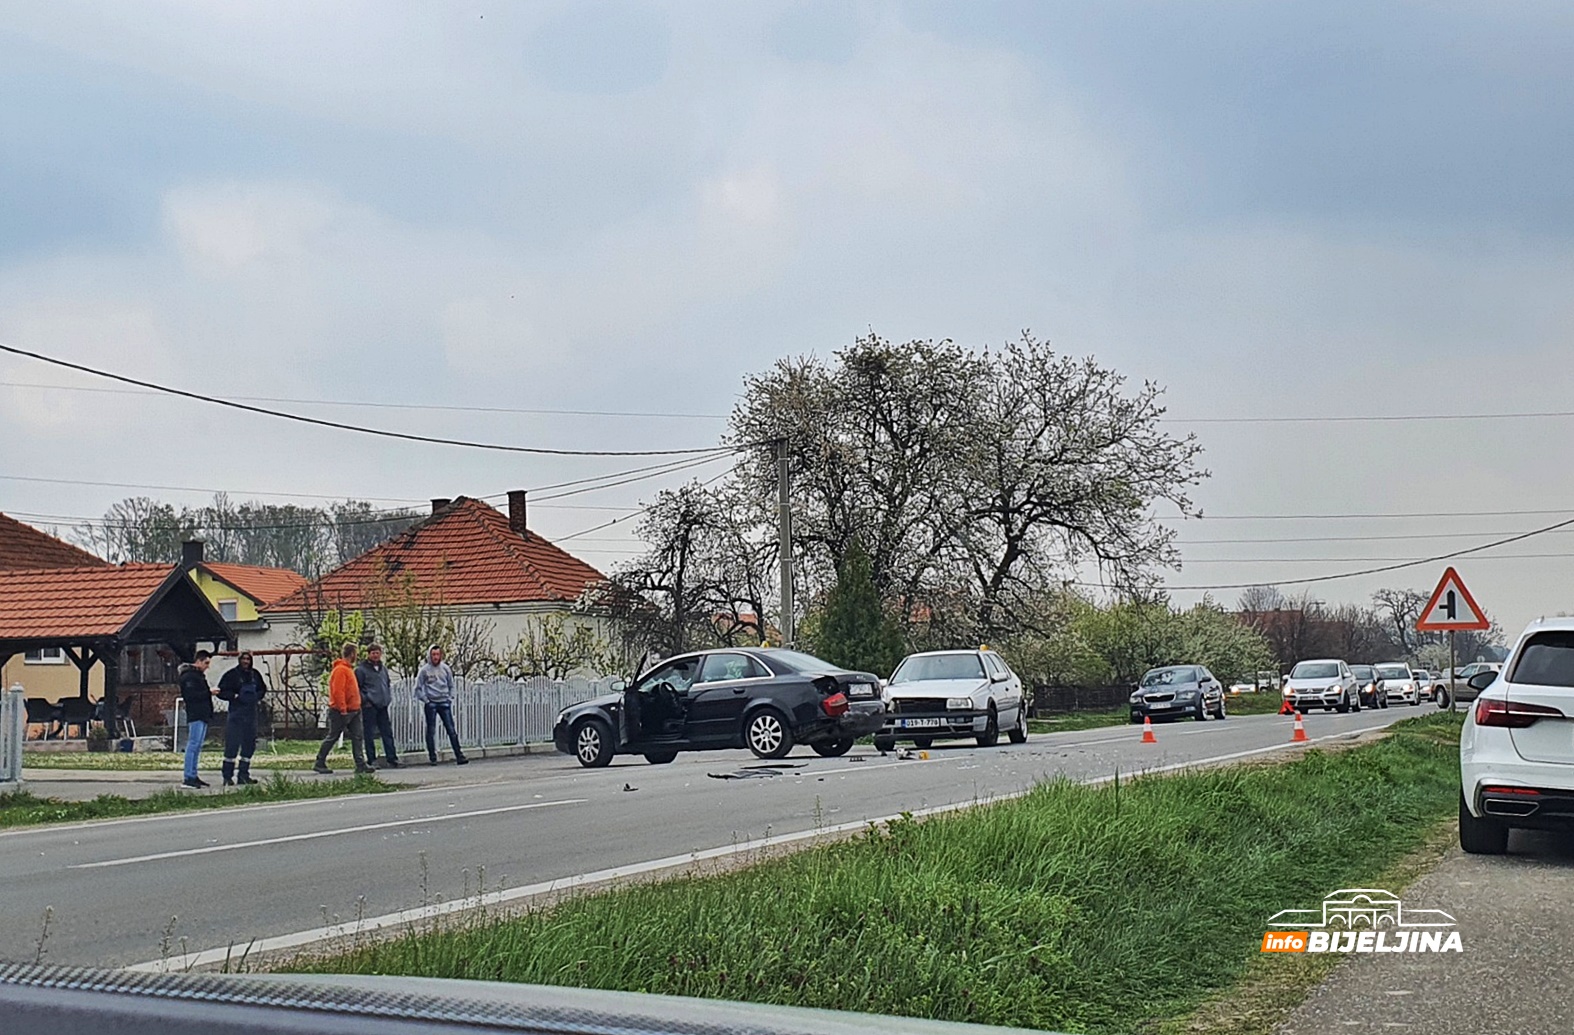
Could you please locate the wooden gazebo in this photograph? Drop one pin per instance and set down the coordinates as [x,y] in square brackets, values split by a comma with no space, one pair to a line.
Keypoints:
[92,614]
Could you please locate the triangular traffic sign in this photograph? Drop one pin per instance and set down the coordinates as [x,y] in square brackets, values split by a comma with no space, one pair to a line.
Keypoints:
[1452,607]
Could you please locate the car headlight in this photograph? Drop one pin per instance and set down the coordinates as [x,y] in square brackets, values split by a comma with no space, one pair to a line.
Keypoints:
[959,703]
[1289,691]
[1136,697]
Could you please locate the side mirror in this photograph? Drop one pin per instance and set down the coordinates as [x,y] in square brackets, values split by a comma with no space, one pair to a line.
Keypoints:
[1481,680]
[998,677]
[619,685]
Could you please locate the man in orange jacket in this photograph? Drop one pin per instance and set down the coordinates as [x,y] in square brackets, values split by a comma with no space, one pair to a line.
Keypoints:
[344,713]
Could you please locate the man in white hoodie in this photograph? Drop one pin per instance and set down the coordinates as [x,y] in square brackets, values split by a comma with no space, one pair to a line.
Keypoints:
[434,688]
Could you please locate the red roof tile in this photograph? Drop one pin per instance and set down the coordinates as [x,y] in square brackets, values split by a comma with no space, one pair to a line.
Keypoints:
[265,585]
[75,602]
[23,546]
[464,554]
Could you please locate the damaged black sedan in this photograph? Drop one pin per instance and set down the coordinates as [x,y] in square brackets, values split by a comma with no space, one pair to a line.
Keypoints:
[765,699]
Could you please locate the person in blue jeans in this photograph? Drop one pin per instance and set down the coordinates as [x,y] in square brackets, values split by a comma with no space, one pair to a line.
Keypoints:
[434,688]
[198,696]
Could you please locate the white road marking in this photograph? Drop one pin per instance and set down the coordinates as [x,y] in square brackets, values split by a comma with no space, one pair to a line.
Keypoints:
[419,914]
[405,792]
[417,821]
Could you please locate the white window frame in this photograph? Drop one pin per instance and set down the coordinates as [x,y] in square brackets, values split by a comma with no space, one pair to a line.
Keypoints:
[234,606]
[41,657]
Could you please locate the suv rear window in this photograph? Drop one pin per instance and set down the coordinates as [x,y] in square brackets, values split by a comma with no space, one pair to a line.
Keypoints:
[1547,660]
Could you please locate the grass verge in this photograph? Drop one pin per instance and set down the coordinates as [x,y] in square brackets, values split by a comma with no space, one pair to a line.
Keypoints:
[281,755]
[1079,909]
[22,809]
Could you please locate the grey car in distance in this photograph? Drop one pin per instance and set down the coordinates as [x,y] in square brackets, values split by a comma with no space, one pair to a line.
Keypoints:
[1178,691]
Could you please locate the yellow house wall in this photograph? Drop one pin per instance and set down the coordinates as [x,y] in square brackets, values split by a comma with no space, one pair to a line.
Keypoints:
[51,682]
[217,589]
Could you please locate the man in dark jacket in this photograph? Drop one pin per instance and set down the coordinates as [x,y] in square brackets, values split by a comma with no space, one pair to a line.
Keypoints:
[376,695]
[198,698]
[243,687]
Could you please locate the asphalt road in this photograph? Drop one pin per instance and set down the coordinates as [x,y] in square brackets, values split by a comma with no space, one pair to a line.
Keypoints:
[276,876]
[1515,918]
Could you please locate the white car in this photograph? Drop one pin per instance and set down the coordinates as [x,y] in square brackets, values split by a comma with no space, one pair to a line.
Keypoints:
[1399,682]
[953,693]
[1326,683]
[1516,753]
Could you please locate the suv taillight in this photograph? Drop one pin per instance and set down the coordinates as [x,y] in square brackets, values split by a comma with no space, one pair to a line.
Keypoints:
[1512,714]
[835,705]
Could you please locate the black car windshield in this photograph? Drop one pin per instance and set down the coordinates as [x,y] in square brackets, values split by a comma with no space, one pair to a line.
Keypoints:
[938,666]
[1315,670]
[1392,672]
[1170,676]
[797,661]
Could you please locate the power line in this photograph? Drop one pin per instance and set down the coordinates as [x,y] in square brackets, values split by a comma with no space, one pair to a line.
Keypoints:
[661,468]
[633,513]
[192,488]
[1353,560]
[340,425]
[1337,538]
[674,469]
[1364,571]
[1362,517]
[364,404]
[1380,418]
[570,412]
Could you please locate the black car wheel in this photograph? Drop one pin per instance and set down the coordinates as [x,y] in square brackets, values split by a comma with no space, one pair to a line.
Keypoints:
[592,743]
[833,748]
[1481,836]
[884,745]
[660,757]
[1343,705]
[1018,734]
[1136,717]
[767,734]
[1222,713]
[922,743]
[1202,710]
[991,735]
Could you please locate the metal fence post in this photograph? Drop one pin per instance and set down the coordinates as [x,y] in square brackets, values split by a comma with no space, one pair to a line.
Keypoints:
[13,728]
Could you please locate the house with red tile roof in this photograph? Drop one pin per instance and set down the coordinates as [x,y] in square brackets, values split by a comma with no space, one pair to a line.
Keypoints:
[467,557]
[23,546]
[73,626]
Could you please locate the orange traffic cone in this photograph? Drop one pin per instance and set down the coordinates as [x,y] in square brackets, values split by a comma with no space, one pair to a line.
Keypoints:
[1147,731]
[1300,731]
[1287,708]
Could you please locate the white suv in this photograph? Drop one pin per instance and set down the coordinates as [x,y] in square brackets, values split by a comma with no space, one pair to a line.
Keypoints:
[1516,753]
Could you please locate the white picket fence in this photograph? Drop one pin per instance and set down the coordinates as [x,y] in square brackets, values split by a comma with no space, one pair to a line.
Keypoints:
[494,712]
[13,728]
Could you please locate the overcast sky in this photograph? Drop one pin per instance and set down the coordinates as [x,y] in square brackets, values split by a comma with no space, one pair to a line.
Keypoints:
[1291,209]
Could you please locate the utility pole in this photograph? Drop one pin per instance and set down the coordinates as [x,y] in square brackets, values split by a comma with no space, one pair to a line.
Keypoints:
[784,518]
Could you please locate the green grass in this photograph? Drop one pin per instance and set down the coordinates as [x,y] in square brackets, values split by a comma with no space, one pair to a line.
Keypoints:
[282,754]
[1068,721]
[21,808]
[1079,909]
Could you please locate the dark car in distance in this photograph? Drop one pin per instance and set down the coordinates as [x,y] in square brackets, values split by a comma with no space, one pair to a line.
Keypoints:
[1370,688]
[1178,691]
[765,699]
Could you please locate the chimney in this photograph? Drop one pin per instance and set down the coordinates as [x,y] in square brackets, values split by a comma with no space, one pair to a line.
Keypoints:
[190,554]
[516,512]
[439,503]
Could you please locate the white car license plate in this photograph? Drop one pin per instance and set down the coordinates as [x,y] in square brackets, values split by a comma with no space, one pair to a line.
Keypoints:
[860,690]
[920,724]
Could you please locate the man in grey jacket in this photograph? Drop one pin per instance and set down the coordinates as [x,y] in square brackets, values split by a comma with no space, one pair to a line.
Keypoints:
[434,688]
[376,695]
